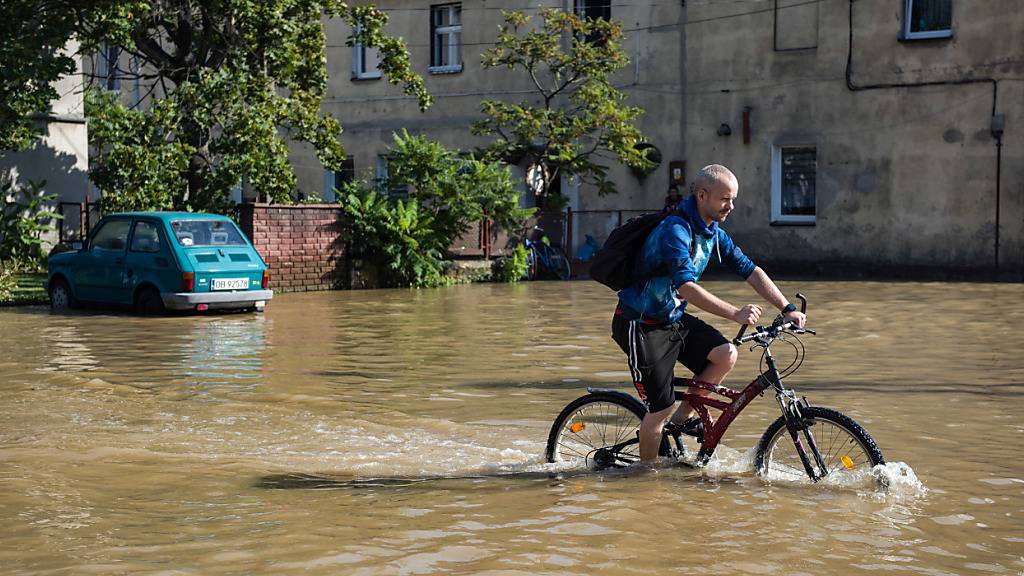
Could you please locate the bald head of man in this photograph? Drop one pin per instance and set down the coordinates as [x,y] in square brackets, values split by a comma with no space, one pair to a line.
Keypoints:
[715,188]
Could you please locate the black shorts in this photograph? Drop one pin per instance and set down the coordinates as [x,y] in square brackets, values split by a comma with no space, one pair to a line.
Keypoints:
[653,349]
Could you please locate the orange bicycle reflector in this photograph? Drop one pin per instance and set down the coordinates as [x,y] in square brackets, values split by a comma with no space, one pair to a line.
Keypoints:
[847,461]
[577,427]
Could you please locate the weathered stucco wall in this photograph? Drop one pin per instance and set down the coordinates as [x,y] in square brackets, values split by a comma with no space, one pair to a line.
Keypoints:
[906,176]
[304,245]
[371,110]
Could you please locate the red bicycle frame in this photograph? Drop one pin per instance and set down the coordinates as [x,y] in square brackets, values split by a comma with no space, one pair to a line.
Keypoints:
[734,403]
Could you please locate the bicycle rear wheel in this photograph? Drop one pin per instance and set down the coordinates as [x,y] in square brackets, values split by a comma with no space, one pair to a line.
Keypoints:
[598,431]
[847,451]
[531,263]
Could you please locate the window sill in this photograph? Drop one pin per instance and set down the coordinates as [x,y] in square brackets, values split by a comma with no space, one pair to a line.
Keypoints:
[803,221]
[925,36]
[366,76]
[445,69]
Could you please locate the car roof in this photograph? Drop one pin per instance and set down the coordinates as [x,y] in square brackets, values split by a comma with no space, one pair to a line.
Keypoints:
[171,215]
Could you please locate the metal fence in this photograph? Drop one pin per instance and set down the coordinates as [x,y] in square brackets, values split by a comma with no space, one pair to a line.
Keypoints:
[568,230]
[78,219]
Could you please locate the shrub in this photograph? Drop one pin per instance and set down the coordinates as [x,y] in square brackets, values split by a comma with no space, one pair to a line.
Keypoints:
[511,268]
[24,217]
[447,194]
[8,280]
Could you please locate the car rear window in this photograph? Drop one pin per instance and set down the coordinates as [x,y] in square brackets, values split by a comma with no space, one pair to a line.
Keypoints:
[207,233]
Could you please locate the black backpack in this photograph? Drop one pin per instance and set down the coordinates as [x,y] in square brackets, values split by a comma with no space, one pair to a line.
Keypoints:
[615,263]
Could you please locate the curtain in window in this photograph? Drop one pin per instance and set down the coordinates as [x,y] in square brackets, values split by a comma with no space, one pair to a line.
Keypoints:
[931,15]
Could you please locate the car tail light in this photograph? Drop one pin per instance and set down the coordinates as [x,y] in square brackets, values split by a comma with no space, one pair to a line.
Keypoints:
[188,281]
[266,279]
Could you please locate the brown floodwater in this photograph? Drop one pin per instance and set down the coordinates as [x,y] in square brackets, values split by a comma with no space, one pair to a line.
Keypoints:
[402,432]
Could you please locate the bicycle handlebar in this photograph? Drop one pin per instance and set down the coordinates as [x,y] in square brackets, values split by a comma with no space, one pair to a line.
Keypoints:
[774,330]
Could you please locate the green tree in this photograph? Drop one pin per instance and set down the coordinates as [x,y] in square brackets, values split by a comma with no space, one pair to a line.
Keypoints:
[33,55]
[581,117]
[408,238]
[232,79]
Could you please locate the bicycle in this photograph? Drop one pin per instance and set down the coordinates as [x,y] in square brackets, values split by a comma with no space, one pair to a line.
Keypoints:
[601,429]
[542,256]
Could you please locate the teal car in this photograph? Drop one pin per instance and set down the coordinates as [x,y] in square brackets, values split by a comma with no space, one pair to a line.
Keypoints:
[156,261]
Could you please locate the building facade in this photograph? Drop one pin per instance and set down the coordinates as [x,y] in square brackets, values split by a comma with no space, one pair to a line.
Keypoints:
[60,156]
[867,135]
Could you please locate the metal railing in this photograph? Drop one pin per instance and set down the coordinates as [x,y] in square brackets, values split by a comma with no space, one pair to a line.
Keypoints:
[77,219]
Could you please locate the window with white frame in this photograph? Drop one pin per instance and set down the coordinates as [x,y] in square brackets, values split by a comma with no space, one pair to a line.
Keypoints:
[794,183]
[336,179]
[445,38]
[365,62]
[924,19]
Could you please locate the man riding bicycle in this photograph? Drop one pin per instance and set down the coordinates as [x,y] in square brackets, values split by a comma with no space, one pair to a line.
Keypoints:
[650,322]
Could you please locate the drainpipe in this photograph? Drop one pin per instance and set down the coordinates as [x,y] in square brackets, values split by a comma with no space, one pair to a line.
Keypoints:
[998,125]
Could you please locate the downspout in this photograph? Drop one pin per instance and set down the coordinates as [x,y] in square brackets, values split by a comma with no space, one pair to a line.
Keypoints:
[850,85]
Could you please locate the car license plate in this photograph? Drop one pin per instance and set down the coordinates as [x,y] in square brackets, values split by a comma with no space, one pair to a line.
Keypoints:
[230,283]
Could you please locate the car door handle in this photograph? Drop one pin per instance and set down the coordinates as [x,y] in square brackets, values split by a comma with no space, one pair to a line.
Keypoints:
[119,260]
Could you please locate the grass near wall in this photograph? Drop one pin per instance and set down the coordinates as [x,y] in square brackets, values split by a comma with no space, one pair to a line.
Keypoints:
[29,290]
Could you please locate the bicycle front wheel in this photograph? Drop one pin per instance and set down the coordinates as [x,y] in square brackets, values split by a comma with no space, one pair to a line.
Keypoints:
[560,264]
[847,451]
[597,431]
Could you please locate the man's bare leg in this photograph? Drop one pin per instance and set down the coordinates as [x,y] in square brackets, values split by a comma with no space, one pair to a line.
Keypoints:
[721,360]
[650,433]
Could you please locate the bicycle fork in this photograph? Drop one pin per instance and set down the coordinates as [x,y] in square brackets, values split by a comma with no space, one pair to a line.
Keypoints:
[795,424]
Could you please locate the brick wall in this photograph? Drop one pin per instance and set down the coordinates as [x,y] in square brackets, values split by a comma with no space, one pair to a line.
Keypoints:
[303,245]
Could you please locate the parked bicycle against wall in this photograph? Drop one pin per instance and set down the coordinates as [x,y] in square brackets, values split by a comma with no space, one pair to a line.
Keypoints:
[601,430]
[542,259]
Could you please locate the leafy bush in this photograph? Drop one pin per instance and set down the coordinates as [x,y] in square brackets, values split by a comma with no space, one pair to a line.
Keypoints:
[24,217]
[448,193]
[511,268]
[397,236]
[8,280]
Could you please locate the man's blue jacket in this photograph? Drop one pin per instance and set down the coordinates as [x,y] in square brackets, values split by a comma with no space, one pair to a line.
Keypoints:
[666,255]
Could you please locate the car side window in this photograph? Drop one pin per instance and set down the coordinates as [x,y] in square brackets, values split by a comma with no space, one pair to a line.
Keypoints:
[145,238]
[112,237]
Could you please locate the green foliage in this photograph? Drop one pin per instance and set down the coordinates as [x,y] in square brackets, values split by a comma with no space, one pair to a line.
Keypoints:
[24,217]
[513,267]
[32,50]
[397,236]
[237,78]
[8,280]
[457,191]
[580,116]
[138,162]
[448,194]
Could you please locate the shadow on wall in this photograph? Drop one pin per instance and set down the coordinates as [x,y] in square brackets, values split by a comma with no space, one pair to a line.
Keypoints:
[58,168]
[42,162]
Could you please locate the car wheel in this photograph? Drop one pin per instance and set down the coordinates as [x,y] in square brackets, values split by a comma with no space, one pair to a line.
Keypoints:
[148,302]
[61,298]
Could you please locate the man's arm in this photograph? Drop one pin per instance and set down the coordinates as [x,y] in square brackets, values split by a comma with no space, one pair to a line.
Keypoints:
[708,302]
[767,289]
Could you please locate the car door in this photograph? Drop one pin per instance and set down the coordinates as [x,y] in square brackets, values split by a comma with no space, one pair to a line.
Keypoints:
[149,258]
[100,269]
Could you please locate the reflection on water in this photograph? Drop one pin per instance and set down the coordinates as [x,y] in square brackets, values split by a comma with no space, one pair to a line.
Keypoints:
[402,432]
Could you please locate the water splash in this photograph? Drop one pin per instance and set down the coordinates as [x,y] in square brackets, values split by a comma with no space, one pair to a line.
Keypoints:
[899,479]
